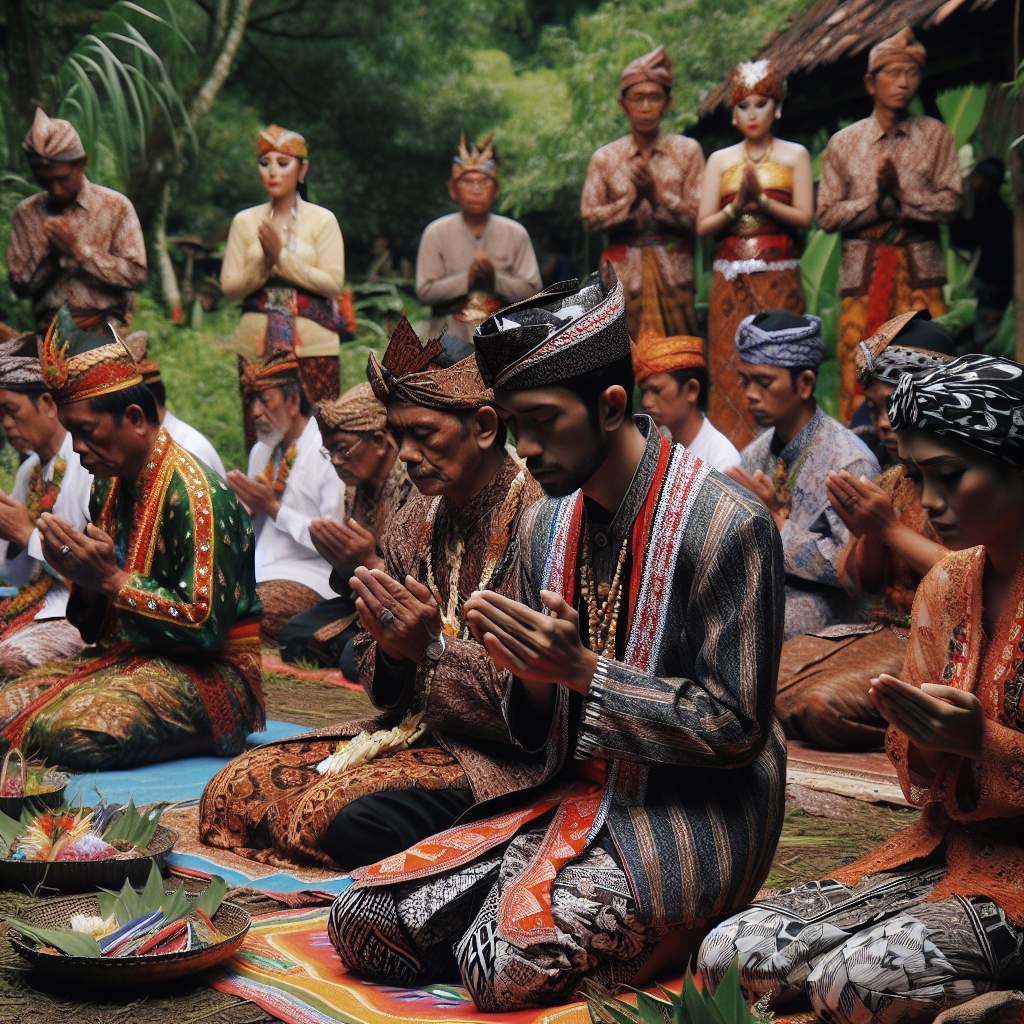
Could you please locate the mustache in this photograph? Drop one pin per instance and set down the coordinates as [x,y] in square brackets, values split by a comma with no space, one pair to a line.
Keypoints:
[539,466]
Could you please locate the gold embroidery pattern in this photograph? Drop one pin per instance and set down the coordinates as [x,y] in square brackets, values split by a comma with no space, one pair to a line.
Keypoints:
[167,457]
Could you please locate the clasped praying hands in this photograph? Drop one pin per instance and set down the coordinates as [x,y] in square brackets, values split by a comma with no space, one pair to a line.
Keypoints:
[343,545]
[404,620]
[86,559]
[256,495]
[534,647]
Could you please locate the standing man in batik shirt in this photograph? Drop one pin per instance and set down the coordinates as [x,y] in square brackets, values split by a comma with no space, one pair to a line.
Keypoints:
[787,464]
[439,743]
[161,579]
[33,624]
[473,262]
[289,484]
[76,242]
[647,692]
[644,190]
[886,184]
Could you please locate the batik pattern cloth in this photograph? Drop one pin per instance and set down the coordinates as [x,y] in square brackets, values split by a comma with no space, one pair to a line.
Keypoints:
[876,951]
[282,600]
[889,266]
[813,535]
[655,236]
[99,287]
[700,644]
[272,805]
[177,659]
[446,928]
[824,677]
[756,268]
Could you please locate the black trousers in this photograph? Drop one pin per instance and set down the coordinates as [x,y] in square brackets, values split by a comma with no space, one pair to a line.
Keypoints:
[297,636]
[382,824]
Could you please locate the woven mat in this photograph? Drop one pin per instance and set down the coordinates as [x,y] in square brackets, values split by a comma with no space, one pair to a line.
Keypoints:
[866,776]
[288,966]
[272,663]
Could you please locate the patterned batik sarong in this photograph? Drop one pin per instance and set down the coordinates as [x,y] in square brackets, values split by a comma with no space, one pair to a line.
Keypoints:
[273,806]
[877,951]
[282,600]
[879,281]
[177,663]
[639,261]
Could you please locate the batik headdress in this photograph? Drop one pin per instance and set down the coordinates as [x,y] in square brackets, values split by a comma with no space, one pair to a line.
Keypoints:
[475,158]
[651,67]
[762,339]
[560,333]
[358,411]
[756,77]
[419,373]
[977,399]
[52,140]
[666,355]
[908,343]
[898,48]
[19,365]
[275,371]
[78,365]
[275,139]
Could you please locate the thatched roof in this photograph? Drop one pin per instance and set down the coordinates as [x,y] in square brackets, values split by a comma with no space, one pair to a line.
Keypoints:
[831,29]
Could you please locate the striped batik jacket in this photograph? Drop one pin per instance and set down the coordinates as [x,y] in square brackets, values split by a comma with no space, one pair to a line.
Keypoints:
[697,761]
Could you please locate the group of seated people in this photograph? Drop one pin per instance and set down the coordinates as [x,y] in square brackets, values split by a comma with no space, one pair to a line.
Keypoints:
[572,640]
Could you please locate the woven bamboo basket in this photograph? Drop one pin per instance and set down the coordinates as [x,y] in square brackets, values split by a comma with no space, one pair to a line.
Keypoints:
[117,972]
[12,805]
[88,875]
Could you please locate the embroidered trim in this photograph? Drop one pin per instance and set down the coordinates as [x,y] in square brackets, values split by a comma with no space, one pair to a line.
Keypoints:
[166,458]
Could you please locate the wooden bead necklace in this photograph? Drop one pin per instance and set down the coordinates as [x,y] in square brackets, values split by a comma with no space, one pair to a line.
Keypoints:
[604,618]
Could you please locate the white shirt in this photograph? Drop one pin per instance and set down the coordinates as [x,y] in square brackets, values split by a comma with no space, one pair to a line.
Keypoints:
[72,506]
[312,489]
[714,447]
[192,441]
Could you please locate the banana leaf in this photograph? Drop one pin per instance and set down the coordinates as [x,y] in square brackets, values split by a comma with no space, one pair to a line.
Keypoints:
[69,942]
[210,898]
[819,271]
[10,830]
[133,827]
[961,110]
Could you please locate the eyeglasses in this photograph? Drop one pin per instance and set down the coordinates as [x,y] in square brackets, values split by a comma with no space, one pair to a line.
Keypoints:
[340,454]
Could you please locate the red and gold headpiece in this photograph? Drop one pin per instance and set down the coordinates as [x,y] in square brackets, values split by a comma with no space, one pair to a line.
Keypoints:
[274,372]
[756,77]
[276,139]
[78,365]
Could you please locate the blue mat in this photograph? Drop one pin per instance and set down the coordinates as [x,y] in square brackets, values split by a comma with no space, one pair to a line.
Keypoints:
[169,780]
[280,881]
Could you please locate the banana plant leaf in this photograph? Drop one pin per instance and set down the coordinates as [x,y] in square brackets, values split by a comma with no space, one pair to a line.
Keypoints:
[133,827]
[129,904]
[69,942]
[961,110]
[10,830]
[819,271]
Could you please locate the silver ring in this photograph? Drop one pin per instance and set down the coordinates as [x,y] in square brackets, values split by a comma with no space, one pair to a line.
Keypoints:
[65,550]
[386,617]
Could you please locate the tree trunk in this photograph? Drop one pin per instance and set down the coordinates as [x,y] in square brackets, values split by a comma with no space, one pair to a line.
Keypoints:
[168,280]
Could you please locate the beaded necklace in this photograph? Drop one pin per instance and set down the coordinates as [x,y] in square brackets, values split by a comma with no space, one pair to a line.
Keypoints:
[284,467]
[603,622]
[451,623]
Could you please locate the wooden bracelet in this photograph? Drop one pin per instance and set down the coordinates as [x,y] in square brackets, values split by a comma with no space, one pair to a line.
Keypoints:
[729,210]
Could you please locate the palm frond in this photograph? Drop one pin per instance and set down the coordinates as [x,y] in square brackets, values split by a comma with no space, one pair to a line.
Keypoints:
[117,82]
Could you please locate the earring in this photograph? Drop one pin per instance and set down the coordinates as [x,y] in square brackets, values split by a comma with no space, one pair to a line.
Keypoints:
[302,181]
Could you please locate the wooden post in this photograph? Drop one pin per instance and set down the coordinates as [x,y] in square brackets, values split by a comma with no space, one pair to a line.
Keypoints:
[1017,184]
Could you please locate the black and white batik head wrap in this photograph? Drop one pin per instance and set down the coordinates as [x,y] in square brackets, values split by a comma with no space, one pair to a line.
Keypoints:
[976,398]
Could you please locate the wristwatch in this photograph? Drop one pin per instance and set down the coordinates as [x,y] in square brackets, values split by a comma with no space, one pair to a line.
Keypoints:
[435,649]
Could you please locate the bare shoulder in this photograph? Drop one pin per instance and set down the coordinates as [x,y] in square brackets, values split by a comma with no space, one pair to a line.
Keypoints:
[789,154]
[722,159]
